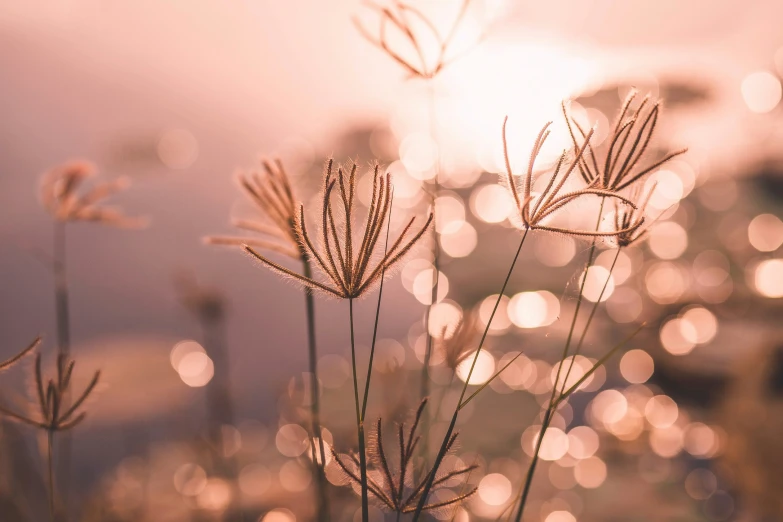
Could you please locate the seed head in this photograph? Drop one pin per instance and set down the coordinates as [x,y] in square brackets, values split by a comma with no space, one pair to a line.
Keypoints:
[348,267]
[628,142]
[59,194]
[271,193]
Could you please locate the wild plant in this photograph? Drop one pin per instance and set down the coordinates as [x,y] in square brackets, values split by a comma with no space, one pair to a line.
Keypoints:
[272,195]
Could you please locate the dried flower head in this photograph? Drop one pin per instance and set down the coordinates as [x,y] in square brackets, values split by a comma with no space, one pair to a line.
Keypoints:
[59,193]
[348,269]
[4,365]
[399,490]
[629,221]
[55,414]
[534,209]
[271,193]
[628,142]
[425,61]
[456,343]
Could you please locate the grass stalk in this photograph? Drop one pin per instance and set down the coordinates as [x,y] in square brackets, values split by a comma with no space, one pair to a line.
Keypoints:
[63,318]
[359,423]
[549,413]
[450,430]
[50,473]
[315,410]
[425,375]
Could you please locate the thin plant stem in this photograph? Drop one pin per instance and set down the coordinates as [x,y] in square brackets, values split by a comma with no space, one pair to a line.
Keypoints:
[323,497]
[50,470]
[359,423]
[450,430]
[578,348]
[375,327]
[549,413]
[62,315]
[425,375]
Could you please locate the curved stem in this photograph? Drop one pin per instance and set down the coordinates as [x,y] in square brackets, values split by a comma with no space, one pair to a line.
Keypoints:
[323,498]
[450,430]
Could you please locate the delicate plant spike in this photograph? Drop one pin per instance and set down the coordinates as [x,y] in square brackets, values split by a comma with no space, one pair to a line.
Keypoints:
[635,128]
[455,346]
[348,266]
[271,192]
[55,412]
[396,488]
[533,209]
[59,195]
[426,63]
[16,358]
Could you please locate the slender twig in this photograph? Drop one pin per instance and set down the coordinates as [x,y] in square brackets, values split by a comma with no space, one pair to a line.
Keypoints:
[450,430]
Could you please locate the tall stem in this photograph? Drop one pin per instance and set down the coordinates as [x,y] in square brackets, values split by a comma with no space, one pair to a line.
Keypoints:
[549,413]
[359,423]
[425,377]
[62,314]
[450,430]
[323,497]
[50,466]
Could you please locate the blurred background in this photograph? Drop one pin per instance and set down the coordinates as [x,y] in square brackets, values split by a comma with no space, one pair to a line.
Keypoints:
[177,95]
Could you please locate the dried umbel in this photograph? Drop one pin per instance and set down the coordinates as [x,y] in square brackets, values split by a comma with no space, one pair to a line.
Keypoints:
[60,195]
[349,267]
[533,209]
[426,60]
[270,191]
[4,365]
[398,488]
[628,142]
[55,413]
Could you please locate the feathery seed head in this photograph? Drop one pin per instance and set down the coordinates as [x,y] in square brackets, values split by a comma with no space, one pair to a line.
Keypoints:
[627,143]
[410,22]
[347,264]
[532,209]
[271,193]
[59,194]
